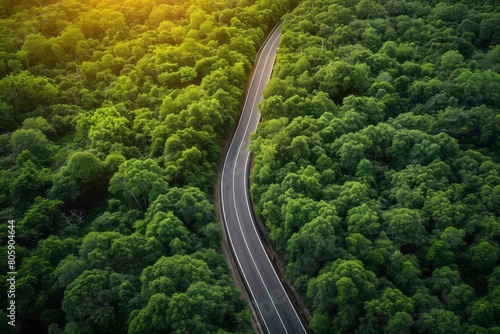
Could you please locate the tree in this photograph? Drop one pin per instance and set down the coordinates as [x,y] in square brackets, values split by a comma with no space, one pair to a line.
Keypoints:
[30,294]
[401,322]
[352,148]
[84,167]
[166,227]
[364,171]
[440,254]
[143,125]
[201,309]
[41,220]
[349,284]
[139,182]
[213,235]
[451,60]
[340,79]
[106,127]
[365,250]
[483,256]
[313,245]
[366,106]
[152,318]
[189,204]
[404,271]
[90,302]
[296,212]
[64,188]
[130,254]
[38,123]
[306,181]
[25,92]
[35,142]
[442,211]
[363,220]
[405,226]
[36,49]
[411,184]
[189,155]
[365,8]
[475,88]
[351,195]
[54,249]
[443,280]
[453,236]
[460,300]
[482,313]
[95,248]
[382,310]
[29,184]
[174,274]
[490,195]
[439,321]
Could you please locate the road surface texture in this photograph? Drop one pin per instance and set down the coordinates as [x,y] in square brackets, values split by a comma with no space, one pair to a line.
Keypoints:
[274,308]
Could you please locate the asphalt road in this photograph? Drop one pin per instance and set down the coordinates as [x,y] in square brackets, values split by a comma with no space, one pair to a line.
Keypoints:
[273,305]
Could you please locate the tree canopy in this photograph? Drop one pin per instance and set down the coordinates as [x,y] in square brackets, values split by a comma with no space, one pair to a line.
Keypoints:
[376,168]
[113,117]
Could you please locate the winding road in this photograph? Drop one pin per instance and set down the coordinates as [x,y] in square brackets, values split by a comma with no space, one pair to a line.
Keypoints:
[276,312]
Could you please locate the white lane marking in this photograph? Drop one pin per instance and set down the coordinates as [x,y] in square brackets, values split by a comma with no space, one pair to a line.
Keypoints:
[245,178]
[234,194]
[223,203]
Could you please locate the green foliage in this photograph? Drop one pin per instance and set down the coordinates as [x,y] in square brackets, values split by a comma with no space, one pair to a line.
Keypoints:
[172,233]
[91,301]
[183,296]
[405,226]
[126,254]
[364,220]
[35,142]
[41,220]
[349,284]
[113,116]
[340,79]
[84,167]
[38,123]
[439,321]
[380,312]
[401,143]
[27,93]
[105,128]
[138,181]
[188,204]
[29,183]
[152,318]
[171,274]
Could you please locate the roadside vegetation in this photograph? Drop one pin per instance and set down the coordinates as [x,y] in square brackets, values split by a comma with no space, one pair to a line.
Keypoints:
[112,117]
[377,164]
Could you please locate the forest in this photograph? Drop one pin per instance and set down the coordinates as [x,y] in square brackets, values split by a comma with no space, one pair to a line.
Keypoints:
[376,167]
[113,117]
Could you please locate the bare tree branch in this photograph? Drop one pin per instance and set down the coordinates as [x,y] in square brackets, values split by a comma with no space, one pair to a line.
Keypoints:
[74,217]
[135,198]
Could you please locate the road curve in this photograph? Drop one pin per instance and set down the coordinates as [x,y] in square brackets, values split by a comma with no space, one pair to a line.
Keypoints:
[276,312]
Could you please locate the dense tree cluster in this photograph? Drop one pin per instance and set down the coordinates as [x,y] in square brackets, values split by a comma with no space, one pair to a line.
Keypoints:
[112,116]
[377,165]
